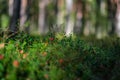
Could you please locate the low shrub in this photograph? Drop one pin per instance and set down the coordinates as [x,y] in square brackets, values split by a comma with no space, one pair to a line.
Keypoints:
[26,57]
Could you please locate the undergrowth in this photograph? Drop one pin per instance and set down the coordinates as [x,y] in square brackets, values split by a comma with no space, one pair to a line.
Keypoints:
[26,57]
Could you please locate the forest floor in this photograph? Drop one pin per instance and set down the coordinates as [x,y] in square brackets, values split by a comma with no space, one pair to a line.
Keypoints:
[25,57]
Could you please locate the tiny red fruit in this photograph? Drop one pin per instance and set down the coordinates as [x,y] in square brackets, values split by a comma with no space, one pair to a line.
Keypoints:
[15,63]
[2,45]
[46,76]
[44,53]
[61,61]
[51,39]
[21,51]
[1,56]
[25,55]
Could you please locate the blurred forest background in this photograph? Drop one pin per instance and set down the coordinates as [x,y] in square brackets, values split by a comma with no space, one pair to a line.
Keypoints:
[99,18]
[36,41]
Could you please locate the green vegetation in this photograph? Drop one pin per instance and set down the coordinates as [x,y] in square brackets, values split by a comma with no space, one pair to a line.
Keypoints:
[26,57]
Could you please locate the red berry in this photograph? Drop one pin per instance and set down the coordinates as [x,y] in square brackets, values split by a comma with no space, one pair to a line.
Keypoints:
[15,63]
[44,53]
[46,76]
[51,39]
[1,56]
[61,61]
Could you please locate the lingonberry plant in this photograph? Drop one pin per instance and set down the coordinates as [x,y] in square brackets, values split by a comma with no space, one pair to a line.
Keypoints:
[28,57]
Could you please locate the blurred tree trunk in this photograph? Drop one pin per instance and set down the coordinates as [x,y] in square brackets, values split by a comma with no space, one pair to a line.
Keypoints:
[70,22]
[42,11]
[10,5]
[0,19]
[87,22]
[102,20]
[60,14]
[24,15]
[118,18]
[0,22]
[14,23]
[111,15]
[79,16]
[1,13]
[89,17]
